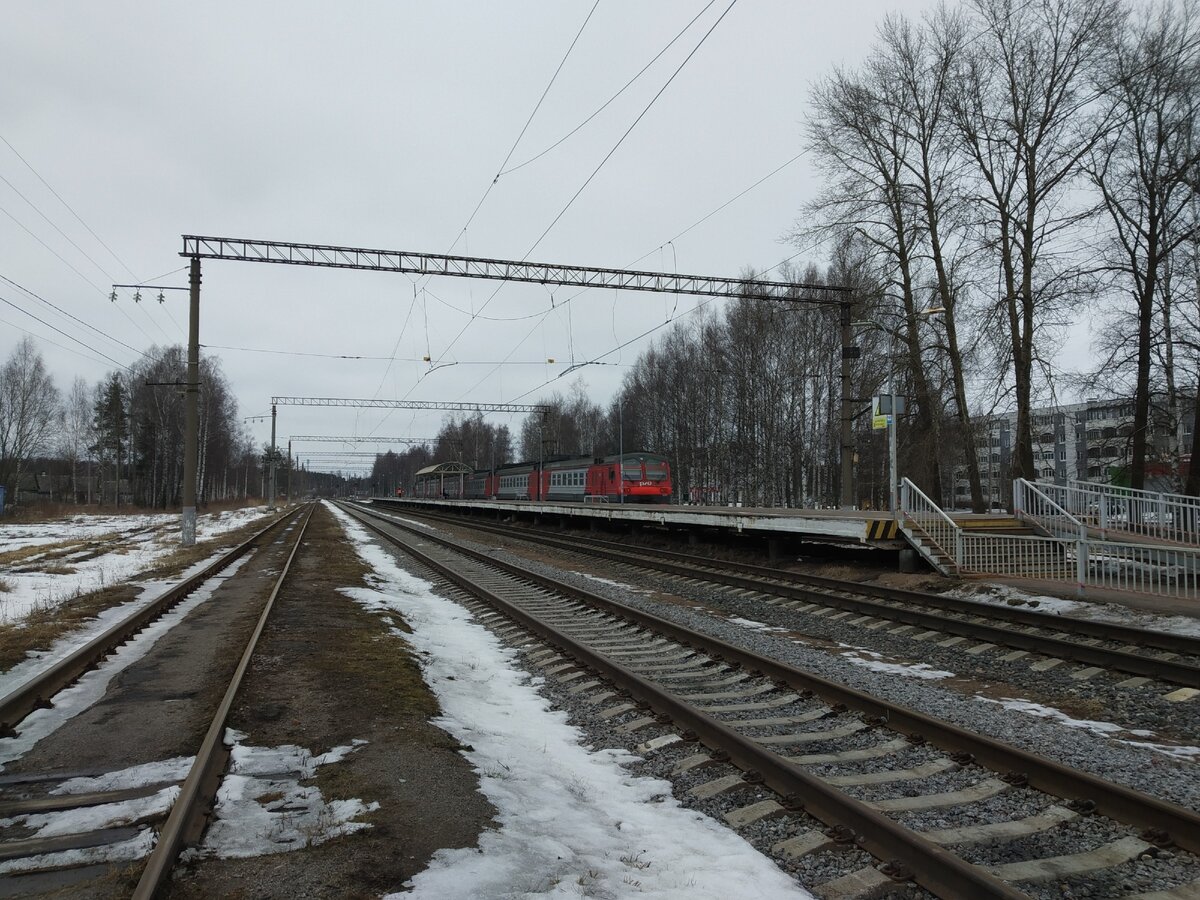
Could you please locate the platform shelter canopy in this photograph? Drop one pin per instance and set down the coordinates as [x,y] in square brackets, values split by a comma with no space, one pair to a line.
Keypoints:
[446,468]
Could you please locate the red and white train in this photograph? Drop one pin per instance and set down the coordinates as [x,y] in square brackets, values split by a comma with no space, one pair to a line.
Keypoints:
[630,478]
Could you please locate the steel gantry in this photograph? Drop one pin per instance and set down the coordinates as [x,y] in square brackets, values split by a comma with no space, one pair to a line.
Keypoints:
[326,256]
[451,406]
[410,404]
[197,247]
[355,439]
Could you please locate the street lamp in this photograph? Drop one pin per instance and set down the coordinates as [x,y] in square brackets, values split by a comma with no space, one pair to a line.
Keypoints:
[893,474]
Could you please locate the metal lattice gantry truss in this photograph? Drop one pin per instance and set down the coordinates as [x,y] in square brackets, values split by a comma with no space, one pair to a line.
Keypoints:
[337,454]
[410,404]
[354,439]
[291,254]
[196,248]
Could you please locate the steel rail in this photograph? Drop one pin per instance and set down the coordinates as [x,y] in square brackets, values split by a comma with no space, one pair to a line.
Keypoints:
[762,579]
[932,866]
[186,822]
[36,692]
[1166,820]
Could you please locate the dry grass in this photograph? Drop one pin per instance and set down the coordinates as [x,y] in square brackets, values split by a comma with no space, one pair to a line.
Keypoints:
[12,557]
[48,622]
[57,570]
[5,585]
[55,512]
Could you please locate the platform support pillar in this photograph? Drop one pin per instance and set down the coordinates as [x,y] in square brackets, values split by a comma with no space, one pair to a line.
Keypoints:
[693,538]
[773,549]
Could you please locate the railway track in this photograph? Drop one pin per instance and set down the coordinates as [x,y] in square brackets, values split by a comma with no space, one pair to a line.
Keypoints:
[850,769]
[180,821]
[1095,646]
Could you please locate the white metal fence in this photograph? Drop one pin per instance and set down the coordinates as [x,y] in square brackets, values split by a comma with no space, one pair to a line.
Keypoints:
[1071,555]
[1159,516]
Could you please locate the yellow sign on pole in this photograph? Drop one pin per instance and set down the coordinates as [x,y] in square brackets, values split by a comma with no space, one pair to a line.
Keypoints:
[878,422]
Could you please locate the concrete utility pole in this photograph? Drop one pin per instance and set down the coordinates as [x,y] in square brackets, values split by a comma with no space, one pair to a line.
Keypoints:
[849,354]
[289,473]
[274,454]
[191,410]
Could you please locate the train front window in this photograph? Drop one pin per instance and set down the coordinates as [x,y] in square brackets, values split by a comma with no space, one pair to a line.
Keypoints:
[632,473]
[656,471]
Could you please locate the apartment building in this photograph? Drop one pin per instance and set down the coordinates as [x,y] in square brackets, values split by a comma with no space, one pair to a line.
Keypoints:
[1090,441]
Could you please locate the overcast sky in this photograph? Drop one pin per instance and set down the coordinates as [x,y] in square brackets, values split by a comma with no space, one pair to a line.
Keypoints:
[381,125]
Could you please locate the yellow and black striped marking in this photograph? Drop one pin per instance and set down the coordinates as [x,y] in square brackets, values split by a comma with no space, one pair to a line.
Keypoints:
[881,529]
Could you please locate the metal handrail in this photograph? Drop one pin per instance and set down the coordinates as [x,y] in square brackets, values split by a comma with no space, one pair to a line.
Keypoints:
[1151,514]
[1033,504]
[942,530]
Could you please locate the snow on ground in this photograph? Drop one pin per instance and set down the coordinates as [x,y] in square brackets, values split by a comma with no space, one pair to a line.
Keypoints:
[869,659]
[572,821]
[1106,729]
[77,528]
[291,817]
[143,541]
[262,807]
[41,660]
[755,626]
[1112,613]
[73,700]
[611,583]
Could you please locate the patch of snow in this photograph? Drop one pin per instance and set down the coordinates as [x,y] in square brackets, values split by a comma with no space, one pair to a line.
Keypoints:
[262,808]
[869,659]
[41,660]
[134,544]
[136,847]
[107,815]
[1110,613]
[1106,729]
[755,626]
[1179,751]
[175,769]
[570,820]
[95,818]
[611,583]
[92,686]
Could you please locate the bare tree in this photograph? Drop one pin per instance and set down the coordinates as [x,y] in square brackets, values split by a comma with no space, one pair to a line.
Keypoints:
[1144,169]
[865,137]
[75,437]
[1020,91]
[29,409]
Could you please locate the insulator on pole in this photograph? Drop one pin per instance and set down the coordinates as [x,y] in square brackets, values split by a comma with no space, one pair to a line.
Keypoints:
[137,296]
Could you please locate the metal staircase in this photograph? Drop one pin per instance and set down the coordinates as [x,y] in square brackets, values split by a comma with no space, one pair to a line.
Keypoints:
[1062,547]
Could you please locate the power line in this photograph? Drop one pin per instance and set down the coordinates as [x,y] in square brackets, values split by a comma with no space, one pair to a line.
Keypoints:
[621,140]
[541,316]
[62,311]
[60,258]
[89,229]
[46,340]
[64,334]
[532,362]
[524,128]
[625,87]
[595,171]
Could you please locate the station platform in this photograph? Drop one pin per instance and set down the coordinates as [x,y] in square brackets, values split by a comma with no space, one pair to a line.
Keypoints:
[872,529]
